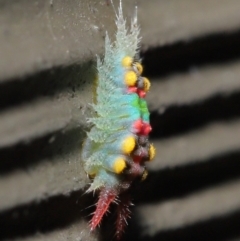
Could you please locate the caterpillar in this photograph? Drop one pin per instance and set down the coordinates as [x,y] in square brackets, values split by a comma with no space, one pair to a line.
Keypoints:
[117,146]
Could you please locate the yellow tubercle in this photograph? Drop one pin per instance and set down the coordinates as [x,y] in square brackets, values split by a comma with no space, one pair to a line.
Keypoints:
[139,67]
[144,175]
[128,145]
[127,62]
[146,84]
[119,165]
[152,152]
[130,78]
[91,175]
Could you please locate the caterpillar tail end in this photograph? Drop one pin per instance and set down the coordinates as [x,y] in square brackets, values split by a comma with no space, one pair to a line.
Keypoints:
[106,197]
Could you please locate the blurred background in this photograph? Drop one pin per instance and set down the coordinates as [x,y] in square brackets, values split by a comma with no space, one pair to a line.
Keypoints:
[191,53]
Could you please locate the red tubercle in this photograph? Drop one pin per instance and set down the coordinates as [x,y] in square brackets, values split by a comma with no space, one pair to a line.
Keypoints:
[146,129]
[132,89]
[137,159]
[137,126]
[142,128]
[106,197]
[141,93]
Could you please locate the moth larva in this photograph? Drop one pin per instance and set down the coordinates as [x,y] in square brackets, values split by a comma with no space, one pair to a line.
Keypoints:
[117,146]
